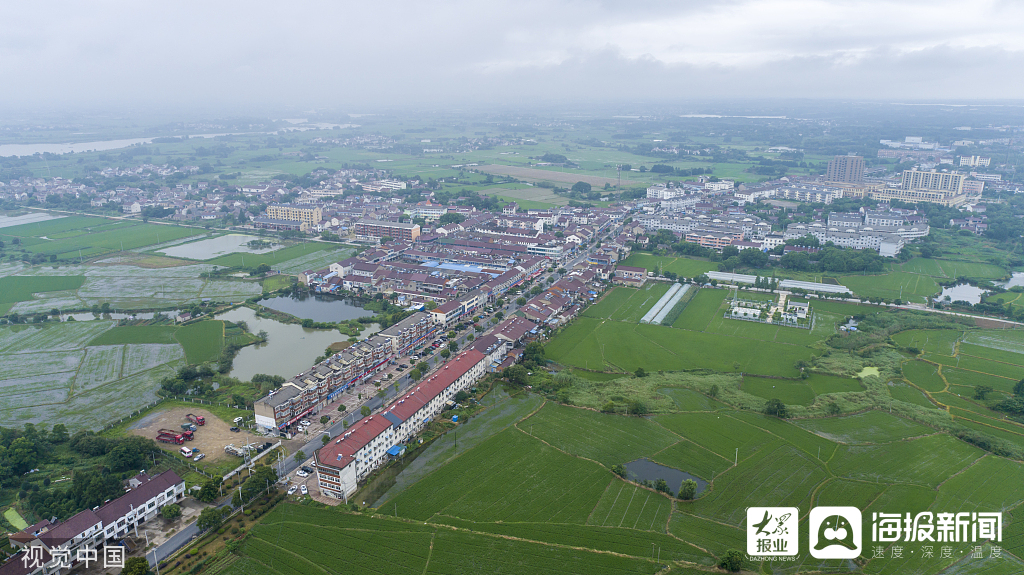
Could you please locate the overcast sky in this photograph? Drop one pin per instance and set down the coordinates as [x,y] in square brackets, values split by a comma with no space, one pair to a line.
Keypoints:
[376,53]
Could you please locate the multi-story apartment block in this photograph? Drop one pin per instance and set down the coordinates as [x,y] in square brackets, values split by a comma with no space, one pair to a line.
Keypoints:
[847,169]
[368,444]
[311,215]
[951,182]
[382,229]
[974,161]
[92,528]
[804,193]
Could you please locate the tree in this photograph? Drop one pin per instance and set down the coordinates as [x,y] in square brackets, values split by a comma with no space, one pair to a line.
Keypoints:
[833,408]
[170,512]
[521,301]
[534,353]
[516,374]
[732,561]
[445,353]
[775,407]
[713,392]
[59,433]
[640,372]
[210,518]
[581,187]
[451,218]
[430,305]
[981,391]
[324,419]
[325,439]
[364,411]
[135,566]
[1018,388]
[415,374]
[688,490]
[300,456]
[210,489]
[342,408]
[423,367]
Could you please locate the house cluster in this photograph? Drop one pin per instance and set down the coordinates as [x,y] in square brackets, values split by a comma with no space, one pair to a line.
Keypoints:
[52,546]
[885,231]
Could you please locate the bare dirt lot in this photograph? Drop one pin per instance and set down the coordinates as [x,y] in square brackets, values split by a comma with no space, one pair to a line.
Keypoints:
[534,174]
[210,438]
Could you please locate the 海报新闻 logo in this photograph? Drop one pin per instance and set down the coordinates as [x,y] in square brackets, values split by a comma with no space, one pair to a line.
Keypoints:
[772,531]
[835,532]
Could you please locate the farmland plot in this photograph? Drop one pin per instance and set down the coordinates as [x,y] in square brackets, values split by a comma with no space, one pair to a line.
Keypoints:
[314,261]
[1004,339]
[101,365]
[225,290]
[608,439]
[458,552]
[50,337]
[44,302]
[617,540]
[869,427]
[626,505]
[33,364]
[778,473]
[141,357]
[924,461]
[526,482]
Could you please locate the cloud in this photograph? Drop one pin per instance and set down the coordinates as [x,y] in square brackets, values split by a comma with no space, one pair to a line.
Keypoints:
[399,53]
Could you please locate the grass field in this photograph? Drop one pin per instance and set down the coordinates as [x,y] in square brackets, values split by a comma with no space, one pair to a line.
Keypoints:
[894,285]
[201,340]
[799,391]
[866,428]
[137,334]
[14,289]
[683,266]
[613,439]
[950,269]
[75,237]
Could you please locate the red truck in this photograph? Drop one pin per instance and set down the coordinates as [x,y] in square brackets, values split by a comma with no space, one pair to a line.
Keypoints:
[185,435]
[196,419]
[176,439]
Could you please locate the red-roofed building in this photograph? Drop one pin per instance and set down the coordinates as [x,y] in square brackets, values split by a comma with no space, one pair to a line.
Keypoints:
[352,456]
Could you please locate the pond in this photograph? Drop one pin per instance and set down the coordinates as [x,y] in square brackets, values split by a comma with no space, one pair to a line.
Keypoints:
[214,247]
[1017,279]
[290,349]
[963,292]
[647,470]
[318,307]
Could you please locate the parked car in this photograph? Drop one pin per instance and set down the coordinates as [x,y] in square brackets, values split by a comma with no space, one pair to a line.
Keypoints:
[235,429]
[293,489]
[301,473]
[198,457]
[307,469]
[305,423]
[303,490]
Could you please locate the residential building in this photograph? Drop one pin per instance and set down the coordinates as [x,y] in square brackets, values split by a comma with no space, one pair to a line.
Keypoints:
[383,229]
[809,193]
[311,215]
[367,444]
[848,169]
[630,275]
[975,161]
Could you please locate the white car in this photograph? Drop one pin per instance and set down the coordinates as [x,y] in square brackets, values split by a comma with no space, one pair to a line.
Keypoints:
[305,422]
[303,490]
[198,457]
[301,473]
[293,489]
